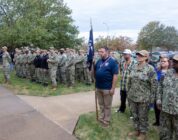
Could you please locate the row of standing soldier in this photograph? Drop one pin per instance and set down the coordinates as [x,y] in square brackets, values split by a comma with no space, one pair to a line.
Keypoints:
[65,66]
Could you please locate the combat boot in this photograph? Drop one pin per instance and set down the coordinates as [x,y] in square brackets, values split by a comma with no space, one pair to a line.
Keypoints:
[142,136]
[8,82]
[54,88]
[134,133]
[5,81]
[105,124]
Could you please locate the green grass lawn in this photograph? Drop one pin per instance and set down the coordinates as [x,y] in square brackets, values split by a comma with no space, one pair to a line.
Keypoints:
[22,86]
[89,129]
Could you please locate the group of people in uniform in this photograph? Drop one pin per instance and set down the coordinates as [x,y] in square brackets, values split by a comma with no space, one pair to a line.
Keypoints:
[142,84]
[65,66]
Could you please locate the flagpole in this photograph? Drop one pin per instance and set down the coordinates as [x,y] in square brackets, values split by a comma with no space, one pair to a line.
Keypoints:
[96,98]
[91,23]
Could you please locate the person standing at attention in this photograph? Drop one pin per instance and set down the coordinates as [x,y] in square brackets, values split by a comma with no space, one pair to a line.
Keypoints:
[142,85]
[6,60]
[106,75]
[125,69]
[167,103]
[161,72]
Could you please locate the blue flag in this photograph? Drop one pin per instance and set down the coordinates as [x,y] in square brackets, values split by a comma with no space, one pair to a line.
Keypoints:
[90,53]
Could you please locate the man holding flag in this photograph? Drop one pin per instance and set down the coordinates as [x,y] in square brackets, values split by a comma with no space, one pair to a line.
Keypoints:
[106,75]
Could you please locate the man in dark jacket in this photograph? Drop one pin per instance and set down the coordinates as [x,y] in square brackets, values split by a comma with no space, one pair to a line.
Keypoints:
[44,66]
[37,66]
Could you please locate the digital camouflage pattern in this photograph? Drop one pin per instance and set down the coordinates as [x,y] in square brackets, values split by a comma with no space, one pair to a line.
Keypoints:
[142,84]
[53,65]
[70,69]
[79,73]
[6,59]
[167,96]
[31,65]
[168,126]
[87,73]
[140,115]
[69,65]
[20,58]
[62,68]
[167,93]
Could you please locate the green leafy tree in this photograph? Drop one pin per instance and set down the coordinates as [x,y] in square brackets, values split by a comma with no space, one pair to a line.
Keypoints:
[155,34]
[150,35]
[115,43]
[43,23]
[170,40]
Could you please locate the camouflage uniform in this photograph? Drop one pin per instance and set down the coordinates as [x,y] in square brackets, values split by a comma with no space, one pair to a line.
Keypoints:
[20,61]
[24,62]
[141,89]
[167,96]
[70,70]
[79,73]
[32,66]
[28,65]
[87,73]
[58,68]
[17,65]
[116,56]
[62,68]
[6,59]
[53,65]
[14,59]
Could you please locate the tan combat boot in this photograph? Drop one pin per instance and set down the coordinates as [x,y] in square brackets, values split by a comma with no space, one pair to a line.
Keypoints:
[8,82]
[134,134]
[5,81]
[105,124]
[142,136]
[54,88]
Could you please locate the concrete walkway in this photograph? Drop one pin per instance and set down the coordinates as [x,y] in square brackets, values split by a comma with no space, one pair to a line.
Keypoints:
[19,121]
[65,110]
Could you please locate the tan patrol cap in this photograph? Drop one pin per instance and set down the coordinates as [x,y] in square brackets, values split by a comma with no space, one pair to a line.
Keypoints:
[51,48]
[62,49]
[175,57]
[143,53]
[4,47]
[81,51]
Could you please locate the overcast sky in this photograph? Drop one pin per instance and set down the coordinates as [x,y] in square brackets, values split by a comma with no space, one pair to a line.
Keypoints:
[121,17]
